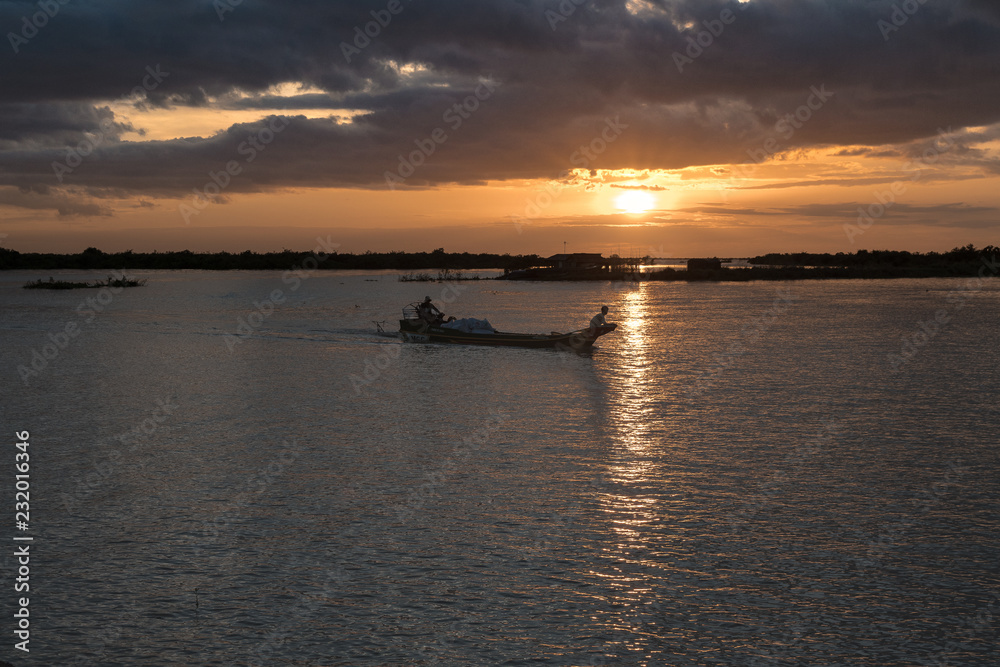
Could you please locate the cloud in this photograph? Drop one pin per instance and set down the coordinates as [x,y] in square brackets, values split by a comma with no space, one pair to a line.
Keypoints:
[926,177]
[557,89]
[34,126]
[648,188]
[948,214]
[42,198]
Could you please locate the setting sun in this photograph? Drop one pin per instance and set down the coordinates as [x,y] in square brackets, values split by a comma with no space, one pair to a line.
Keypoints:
[400,144]
[635,201]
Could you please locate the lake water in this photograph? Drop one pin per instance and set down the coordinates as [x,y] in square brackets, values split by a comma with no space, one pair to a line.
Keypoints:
[740,475]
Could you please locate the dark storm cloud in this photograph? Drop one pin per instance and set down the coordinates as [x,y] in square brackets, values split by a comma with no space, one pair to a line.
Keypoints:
[565,71]
[46,124]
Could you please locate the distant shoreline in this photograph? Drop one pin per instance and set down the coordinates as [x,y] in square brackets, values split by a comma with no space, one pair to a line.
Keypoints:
[755,273]
[286,260]
[967,261]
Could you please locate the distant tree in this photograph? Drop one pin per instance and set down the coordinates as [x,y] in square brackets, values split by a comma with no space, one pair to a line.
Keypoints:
[8,258]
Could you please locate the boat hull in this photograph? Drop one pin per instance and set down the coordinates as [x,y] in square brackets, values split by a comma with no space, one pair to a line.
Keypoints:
[418,332]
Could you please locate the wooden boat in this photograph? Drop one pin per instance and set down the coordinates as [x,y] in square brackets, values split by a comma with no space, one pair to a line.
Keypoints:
[415,330]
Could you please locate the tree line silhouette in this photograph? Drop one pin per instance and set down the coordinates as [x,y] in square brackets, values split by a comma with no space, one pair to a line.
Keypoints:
[960,261]
[92,258]
[878,258]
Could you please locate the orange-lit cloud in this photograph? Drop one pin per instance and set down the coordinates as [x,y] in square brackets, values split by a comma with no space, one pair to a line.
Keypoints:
[785,123]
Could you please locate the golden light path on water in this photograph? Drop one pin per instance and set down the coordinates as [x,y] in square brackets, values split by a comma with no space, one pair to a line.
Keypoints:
[627,502]
[632,412]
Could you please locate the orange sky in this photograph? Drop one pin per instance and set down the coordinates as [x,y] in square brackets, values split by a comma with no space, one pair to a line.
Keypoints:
[718,209]
[588,130]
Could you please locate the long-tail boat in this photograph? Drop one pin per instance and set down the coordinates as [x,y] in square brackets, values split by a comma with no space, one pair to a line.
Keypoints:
[414,329]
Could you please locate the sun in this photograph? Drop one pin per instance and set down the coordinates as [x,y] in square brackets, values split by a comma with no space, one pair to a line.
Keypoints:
[635,201]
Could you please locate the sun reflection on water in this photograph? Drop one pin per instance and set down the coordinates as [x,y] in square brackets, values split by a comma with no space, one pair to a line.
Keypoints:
[631,402]
[631,500]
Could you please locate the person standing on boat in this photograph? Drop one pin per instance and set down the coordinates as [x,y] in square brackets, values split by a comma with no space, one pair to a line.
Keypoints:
[599,320]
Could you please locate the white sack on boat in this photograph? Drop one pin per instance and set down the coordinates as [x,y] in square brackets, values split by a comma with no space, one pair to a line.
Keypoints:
[470,325]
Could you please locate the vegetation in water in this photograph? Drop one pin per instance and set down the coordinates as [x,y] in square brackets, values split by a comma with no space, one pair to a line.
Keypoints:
[52,283]
[444,275]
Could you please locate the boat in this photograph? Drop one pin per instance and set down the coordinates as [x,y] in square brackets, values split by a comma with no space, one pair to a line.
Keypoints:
[414,330]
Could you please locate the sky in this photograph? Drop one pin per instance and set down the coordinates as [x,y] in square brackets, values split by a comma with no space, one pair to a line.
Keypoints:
[639,127]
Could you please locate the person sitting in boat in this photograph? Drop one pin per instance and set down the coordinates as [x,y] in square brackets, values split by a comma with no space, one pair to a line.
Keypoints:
[599,320]
[430,313]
